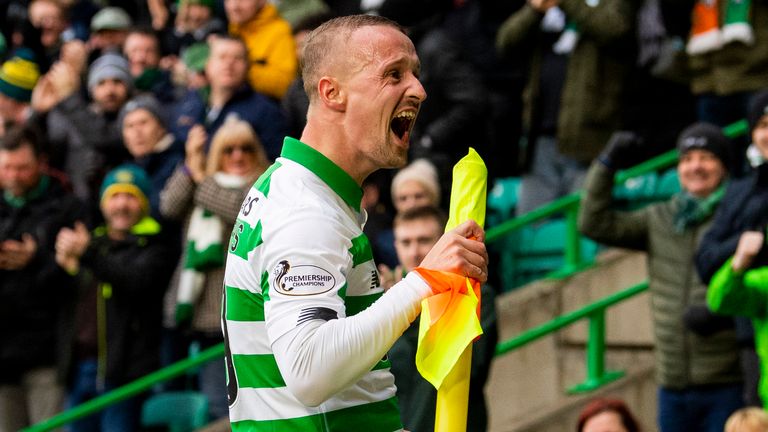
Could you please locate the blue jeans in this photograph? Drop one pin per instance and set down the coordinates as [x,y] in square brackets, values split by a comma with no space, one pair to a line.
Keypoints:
[121,417]
[698,410]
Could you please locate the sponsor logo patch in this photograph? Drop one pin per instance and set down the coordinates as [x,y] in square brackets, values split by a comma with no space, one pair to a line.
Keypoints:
[301,280]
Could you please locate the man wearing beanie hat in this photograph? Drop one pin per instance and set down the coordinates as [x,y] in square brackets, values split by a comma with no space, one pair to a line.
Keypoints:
[697,366]
[150,144]
[124,266]
[130,179]
[112,69]
[18,77]
[758,109]
[738,286]
[744,208]
[86,136]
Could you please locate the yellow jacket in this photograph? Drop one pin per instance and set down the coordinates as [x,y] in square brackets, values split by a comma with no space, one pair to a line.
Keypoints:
[271,51]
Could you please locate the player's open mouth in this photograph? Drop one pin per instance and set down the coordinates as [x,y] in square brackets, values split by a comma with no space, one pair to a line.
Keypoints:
[401,124]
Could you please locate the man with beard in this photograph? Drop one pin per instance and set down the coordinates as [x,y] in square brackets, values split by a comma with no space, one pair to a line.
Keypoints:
[306,323]
[121,271]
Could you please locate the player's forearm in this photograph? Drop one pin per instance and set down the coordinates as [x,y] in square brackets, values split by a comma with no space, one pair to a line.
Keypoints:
[321,358]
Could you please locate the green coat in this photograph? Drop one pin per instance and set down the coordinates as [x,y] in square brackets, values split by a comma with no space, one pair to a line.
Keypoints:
[597,74]
[683,358]
[745,294]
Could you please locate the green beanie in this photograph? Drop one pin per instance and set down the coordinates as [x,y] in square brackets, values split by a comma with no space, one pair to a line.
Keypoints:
[19,75]
[128,178]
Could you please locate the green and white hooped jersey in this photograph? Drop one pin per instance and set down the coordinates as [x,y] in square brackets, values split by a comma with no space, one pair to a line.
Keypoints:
[298,256]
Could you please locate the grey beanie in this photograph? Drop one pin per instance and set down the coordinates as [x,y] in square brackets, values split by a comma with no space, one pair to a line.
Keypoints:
[109,65]
[145,102]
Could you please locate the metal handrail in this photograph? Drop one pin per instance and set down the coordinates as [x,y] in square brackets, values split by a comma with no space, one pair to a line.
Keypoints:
[129,390]
[597,376]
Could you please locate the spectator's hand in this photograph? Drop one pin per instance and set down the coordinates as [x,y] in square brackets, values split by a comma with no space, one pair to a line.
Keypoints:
[71,245]
[64,79]
[15,255]
[460,251]
[624,149]
[182,18]
[749,246]
[195,152]
[75,54]
[159,13]
[389,277]
[44,96]
[543,5]
[169,62]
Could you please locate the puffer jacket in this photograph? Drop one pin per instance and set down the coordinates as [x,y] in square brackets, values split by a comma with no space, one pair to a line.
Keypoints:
[683,358]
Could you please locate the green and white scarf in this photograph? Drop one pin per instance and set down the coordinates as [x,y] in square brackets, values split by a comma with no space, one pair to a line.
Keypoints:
[693,211]
[710,31]
[204,251]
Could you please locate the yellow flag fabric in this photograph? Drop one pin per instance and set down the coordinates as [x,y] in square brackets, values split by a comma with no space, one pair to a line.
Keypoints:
[448,323]
[449,320]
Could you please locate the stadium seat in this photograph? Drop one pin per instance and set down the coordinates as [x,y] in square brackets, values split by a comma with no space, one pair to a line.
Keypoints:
[182,411]
[535,251]
[502,200]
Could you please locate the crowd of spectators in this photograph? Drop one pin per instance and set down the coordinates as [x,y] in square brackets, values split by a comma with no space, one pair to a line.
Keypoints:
[131,131]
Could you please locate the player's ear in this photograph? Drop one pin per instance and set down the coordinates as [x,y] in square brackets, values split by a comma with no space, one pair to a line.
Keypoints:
[331,93]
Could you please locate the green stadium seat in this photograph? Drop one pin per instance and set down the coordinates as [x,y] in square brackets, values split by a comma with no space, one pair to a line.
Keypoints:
[182,411]
[502,200]
[535,251]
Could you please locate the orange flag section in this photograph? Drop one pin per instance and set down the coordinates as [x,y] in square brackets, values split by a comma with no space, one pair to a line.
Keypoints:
[449,323]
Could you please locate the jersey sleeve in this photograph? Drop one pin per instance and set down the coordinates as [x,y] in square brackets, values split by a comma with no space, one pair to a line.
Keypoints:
[318,349]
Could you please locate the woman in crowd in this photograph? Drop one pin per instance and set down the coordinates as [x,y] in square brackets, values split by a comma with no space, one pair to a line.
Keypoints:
[607,415]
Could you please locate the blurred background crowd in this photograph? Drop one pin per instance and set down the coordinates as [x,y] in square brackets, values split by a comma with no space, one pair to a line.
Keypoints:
[131,131]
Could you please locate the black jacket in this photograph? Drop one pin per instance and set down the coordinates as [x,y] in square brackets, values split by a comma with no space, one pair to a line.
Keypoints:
[128,279]
[744,207]
[31,298]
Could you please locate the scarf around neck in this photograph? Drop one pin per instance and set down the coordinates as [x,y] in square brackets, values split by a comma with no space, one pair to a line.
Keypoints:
[204,250]
[692,211]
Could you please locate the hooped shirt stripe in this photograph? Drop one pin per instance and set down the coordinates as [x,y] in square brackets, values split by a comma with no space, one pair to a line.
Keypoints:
[322,269]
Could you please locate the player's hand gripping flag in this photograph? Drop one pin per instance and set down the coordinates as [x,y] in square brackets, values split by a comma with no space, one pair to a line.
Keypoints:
[450,320]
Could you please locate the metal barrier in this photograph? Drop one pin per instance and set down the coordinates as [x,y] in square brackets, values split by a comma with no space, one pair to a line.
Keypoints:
[129,390]
[597,376]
